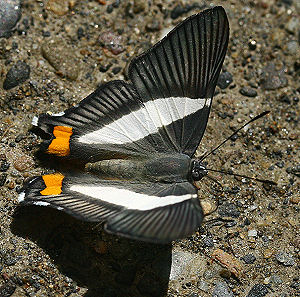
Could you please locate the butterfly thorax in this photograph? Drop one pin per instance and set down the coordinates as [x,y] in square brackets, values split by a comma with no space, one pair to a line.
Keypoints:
[157,168]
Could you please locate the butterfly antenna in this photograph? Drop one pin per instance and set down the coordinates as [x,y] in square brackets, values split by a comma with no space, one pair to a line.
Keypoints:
[266,181]
[205,155]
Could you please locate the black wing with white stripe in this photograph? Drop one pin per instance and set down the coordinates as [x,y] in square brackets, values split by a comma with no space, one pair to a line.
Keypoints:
[183,66]
[154,212]
[166,107]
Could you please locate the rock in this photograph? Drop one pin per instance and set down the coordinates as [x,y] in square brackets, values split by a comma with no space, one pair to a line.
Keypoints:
[112,42]
[285,259]
[221,290]
[139,5]
[203,286]
[272,79]
[179,10]
[22,163]
[180,260]
[3,177]
[292,47]
[16,75]
[248,92]
[10,13]
[292,25]
[258,290]
[252,233]
[7,289]
[275,279]
[153,25]
[61,7]
[249,259]
[62,58]
[228,261]
[228,210]
[225,79]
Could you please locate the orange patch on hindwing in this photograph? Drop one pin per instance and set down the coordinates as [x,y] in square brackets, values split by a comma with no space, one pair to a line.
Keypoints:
[53,184]
[60,145]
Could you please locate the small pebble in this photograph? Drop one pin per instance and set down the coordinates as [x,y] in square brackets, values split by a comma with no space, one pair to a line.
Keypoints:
[203,286]
[7,289]
[293,25]
[249,259]
[272,79]
[275,279]
[225,79]
[16,75]
[179,10]
[22,163]
[222,290]
[258,290]
[285,259]
[139,6]
[228,210]
[248,92]
[10,13]
[112,42]
[252,233]
[3,177]
[60,7]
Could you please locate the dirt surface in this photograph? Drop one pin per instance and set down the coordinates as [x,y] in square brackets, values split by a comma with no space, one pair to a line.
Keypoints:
[58,53]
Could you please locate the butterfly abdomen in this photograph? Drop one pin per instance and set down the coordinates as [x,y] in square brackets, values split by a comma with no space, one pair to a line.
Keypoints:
[160,168]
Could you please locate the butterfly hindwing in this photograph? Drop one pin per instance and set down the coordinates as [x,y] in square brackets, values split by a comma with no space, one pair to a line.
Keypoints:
[155,212]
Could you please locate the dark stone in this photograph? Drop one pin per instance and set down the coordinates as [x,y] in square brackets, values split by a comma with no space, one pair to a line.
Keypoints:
[80,33]
[116,70]
[109,8]
[208,241]
[16,75]
[225,79]
[228,210]
[7,289]
[258,290]
[46,34]
[294,170]
[179,10]
[104,68]
[280,164]
[248,92]
[9,16]
[153,26]
[4,166]
[249,259]
[3,177]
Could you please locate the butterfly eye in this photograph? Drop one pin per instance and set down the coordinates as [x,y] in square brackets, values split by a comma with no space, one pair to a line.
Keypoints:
[196,175]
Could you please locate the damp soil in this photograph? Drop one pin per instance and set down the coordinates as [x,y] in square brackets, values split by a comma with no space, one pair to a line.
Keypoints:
[59,52]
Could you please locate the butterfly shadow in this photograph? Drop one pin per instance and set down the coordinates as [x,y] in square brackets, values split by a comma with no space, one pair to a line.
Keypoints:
[105,264]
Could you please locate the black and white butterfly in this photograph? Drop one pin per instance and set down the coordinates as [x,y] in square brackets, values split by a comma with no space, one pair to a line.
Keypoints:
[137,138]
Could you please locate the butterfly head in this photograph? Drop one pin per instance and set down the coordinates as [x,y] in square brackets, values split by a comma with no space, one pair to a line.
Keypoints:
[198,170]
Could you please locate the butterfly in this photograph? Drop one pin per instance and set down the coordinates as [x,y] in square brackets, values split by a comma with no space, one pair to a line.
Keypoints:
[137,138]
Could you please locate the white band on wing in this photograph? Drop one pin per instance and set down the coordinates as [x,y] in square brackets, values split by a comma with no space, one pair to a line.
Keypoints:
[145,121]
[129,199]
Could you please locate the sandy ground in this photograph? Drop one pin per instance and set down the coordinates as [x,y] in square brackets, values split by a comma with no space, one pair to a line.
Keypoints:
[44,252]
